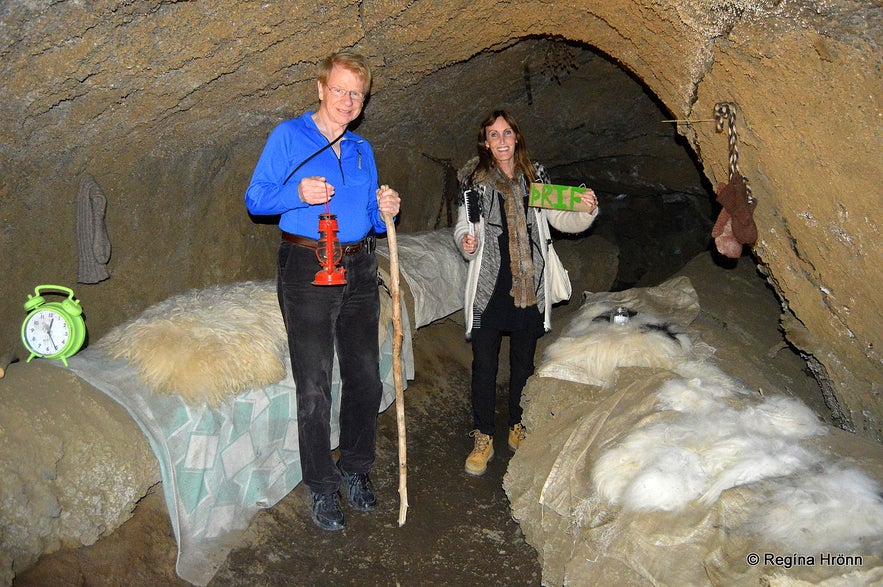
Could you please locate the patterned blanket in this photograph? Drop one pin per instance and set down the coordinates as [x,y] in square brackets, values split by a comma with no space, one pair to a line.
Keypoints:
[220,465]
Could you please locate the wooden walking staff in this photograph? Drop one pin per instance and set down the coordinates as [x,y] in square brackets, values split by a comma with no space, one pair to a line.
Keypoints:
[395,291]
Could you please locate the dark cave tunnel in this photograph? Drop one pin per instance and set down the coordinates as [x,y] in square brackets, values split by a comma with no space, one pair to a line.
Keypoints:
[590,122]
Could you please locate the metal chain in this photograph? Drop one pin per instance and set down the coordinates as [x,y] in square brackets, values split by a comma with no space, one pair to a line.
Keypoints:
[725,113]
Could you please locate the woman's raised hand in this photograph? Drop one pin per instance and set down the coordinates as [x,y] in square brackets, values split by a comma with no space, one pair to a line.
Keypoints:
[469,243]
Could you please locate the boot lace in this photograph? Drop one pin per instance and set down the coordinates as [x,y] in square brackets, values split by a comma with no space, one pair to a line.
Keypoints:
[481,440]
[358,482]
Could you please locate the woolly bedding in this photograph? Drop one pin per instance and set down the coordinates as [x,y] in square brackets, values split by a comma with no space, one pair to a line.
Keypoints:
[659,468]
[225,458]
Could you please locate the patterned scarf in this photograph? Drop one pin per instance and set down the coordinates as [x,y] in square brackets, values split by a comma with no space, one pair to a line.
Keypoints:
[492,213]
[519,242]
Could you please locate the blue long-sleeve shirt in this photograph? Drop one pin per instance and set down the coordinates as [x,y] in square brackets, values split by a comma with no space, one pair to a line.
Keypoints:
[354,177]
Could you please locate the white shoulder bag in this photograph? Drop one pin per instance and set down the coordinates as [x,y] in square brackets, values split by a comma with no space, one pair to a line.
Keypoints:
[559,278]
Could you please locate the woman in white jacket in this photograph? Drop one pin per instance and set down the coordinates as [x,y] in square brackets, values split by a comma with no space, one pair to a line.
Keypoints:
[507,291]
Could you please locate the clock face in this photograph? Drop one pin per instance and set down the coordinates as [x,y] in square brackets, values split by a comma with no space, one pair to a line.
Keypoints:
[46,332]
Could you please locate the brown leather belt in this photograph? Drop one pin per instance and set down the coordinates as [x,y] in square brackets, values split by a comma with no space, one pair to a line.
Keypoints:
[302,241]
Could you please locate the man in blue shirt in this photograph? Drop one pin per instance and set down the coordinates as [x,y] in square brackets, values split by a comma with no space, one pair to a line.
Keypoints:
[313,165]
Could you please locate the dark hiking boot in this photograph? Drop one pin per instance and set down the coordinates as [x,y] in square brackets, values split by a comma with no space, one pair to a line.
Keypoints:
[358,490]
[325,511]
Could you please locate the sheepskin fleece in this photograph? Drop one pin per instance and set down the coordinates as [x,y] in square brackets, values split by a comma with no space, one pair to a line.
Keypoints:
[674,475]
[206,344]
[608,497]
[589,350]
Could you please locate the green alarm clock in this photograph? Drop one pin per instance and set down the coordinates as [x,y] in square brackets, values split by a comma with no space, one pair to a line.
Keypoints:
[53,330]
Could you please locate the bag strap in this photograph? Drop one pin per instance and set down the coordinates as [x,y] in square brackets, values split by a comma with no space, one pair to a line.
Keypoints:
[304,162]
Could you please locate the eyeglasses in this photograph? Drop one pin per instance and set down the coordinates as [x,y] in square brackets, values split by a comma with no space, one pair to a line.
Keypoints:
[354,95]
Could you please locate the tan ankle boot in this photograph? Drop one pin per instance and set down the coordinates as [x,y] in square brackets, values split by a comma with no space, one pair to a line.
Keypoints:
[516,436]
[476,462]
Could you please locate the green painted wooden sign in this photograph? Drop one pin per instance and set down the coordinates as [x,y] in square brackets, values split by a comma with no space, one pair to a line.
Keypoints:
[559,197]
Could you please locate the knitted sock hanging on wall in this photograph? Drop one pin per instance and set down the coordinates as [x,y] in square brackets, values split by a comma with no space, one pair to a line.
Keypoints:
[93,244]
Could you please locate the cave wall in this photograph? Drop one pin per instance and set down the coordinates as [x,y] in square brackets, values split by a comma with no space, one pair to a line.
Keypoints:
[809,93]
[167,104]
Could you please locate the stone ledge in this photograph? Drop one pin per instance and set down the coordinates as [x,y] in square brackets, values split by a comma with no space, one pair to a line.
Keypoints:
[73,464]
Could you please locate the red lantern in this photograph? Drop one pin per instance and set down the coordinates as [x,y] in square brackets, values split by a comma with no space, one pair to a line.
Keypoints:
[329,253]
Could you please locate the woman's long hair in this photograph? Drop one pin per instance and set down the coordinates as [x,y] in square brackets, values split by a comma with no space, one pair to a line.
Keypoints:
[486,161]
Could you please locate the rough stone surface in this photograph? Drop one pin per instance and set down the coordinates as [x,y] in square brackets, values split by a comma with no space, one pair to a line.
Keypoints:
[73,464]
[167,105]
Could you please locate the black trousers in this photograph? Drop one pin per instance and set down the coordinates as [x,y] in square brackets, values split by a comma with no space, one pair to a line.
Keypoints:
[320,319]
[486,342]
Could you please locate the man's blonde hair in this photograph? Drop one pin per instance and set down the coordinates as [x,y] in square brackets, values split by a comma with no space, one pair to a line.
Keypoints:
[350,60]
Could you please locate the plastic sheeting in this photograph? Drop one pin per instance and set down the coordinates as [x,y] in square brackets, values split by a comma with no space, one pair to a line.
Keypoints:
[434,271]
